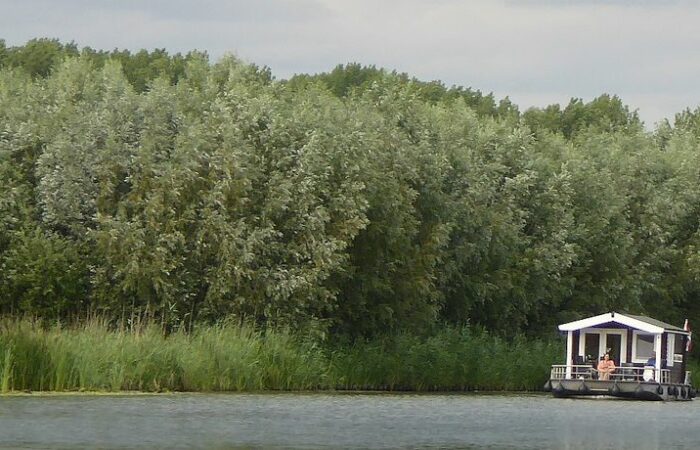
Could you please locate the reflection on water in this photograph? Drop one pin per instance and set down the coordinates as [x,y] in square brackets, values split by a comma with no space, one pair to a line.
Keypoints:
[344,421]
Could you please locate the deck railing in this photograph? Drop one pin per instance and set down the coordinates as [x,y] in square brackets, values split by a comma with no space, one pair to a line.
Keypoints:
[624,373]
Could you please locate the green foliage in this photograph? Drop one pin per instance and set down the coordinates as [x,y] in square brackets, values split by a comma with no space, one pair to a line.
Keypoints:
[143,67]
[38,56]
[694,368]
[354,203]
[3,52]
[603,114]
[688,121]
[343,79]
[42,274]
[355,79]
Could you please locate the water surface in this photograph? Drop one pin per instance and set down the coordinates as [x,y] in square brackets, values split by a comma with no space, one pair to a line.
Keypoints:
[222,421]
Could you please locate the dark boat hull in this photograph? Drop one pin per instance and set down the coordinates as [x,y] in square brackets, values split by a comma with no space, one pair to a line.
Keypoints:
[620,389]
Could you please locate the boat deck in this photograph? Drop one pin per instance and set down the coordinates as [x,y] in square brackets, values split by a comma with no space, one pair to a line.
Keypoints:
[631,382]
[623,389]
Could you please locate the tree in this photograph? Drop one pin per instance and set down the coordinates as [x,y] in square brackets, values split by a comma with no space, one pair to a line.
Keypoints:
[38,56]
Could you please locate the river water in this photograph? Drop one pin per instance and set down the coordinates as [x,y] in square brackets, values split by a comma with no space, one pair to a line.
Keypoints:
[363,421]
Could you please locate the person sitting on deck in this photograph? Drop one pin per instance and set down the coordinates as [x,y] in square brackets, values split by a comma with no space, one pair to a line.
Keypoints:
[606,366]
[652,360]
[650,368]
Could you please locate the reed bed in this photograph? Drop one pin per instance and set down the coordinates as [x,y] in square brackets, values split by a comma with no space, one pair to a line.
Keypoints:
[94,358]
[228,357]
[451,360]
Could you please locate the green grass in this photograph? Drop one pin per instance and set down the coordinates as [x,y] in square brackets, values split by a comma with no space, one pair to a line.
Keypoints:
[229,357]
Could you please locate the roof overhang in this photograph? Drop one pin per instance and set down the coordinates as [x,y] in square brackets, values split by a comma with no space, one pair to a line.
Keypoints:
[612,317]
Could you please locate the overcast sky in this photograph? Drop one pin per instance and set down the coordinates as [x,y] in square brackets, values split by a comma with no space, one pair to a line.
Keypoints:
[536,52]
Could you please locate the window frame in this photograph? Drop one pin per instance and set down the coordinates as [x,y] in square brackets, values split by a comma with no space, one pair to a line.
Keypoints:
[635,334]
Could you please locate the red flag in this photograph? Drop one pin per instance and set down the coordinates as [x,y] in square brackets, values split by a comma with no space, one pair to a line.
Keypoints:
[689,342]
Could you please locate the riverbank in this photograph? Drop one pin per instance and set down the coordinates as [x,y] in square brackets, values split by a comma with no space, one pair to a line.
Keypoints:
[229,357]
[327,392]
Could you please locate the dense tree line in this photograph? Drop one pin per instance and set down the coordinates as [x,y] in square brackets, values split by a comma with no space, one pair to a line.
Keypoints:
[353,202]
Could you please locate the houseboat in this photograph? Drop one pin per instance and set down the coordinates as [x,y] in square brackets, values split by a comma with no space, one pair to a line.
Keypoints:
[648,359]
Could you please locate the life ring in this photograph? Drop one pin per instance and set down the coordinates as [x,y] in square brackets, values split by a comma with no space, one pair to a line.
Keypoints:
[659,390]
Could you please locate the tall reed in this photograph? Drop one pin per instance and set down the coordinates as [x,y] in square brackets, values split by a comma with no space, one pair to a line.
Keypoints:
[214,358]
[230,357]
[452,359]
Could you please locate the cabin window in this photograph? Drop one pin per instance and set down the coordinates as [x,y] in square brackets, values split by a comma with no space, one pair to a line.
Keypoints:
[642,346]
[678,347]
[592,346]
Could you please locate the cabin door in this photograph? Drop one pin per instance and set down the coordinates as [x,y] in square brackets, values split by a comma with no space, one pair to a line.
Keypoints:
[613,344]
[591,346]
[595,342]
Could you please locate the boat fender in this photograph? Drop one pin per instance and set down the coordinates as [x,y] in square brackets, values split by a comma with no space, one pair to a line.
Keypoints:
[692,392]
[659,390]
[671,390]
[615,390]
[548,386]
[559,389]
[584,388]
[683,393]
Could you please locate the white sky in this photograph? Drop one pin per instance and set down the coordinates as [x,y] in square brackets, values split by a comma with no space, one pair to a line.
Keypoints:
[536,52]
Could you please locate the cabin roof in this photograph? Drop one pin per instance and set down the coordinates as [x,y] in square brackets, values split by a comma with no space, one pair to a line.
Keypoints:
[639,322]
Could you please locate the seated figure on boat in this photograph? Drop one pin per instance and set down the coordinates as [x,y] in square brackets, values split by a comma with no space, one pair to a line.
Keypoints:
[606,366]
[650,368]
[652,360]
